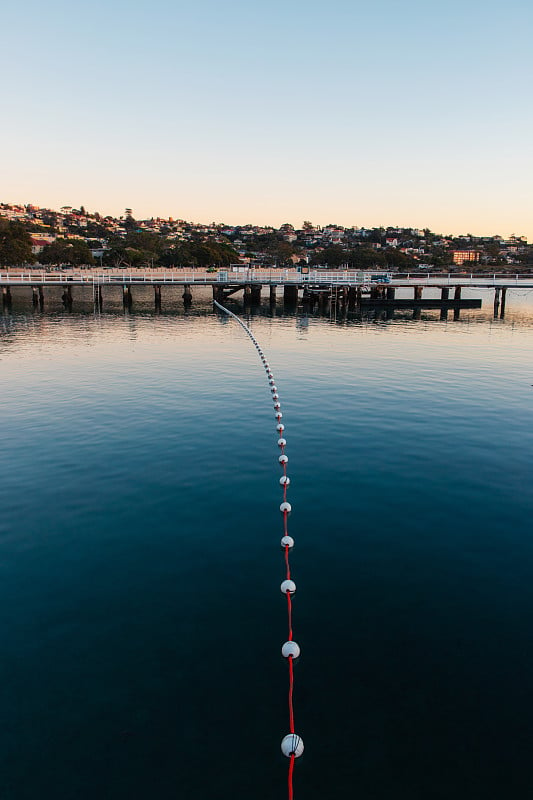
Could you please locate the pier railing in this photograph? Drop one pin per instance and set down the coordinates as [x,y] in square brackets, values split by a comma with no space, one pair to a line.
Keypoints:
[257,276]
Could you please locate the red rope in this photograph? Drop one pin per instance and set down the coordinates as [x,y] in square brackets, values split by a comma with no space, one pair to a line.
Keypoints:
[291,769]
[291,691]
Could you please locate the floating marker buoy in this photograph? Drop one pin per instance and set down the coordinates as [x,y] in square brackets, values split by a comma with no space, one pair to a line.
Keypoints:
[285,508]
[287,541]
[273,388]
[277,404]
[283,459]
[284,480]
[288,587]
[278,414]
[275,396]
[282,442]
[292,745]
[290,649]
[280,427]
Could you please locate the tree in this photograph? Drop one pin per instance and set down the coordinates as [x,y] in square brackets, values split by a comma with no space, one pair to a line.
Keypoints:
[398,260]
[130,223]
[15,244]
[208,253]
[332,256]
[66,251]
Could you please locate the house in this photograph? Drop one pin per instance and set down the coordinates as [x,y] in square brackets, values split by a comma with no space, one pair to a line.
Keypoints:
[38,243]
[465,256]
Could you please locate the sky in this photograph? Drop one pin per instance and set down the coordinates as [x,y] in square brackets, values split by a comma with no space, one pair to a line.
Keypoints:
[415,114]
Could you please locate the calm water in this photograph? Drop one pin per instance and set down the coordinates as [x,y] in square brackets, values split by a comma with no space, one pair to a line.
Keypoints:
[141,617]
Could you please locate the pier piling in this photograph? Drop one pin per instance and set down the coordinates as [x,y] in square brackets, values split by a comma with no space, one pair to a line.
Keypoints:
[6,297]
[290,294]
[67,297]
[187,295]
[496,302]
[127,299]
[504,295]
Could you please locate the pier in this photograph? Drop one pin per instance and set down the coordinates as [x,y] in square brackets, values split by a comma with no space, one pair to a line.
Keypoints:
[336,288]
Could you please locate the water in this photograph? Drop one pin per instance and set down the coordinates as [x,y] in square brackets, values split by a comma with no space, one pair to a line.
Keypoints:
[141,619]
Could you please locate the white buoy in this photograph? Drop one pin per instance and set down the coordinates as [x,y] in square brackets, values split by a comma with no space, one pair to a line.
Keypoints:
[285,508]
[290,649]
[282,442]
[278,414]
[277,404]
[288,587]
[275,396]
[273,388]
[283,459]
[284,480]
[287,541]
[280,427]
[292,745]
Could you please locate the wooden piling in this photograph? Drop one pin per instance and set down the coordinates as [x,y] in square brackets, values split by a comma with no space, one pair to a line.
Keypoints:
[457,293]
[272,295]
[35,296]
[504,296]
[391,292]
[496,301]
[6,297]
[418,292]
[157,297]
[67,296]
[256,293]
[290,294]
[187,295]
[98,300]
[444,293]
[127,299]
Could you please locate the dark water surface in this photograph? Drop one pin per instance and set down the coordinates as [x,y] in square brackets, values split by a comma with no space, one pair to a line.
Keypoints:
[141,617]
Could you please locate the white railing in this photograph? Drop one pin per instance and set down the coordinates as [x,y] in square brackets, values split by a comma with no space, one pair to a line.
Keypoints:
[258,276]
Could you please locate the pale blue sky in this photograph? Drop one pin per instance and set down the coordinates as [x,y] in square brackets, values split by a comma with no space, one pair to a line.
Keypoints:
[403,113]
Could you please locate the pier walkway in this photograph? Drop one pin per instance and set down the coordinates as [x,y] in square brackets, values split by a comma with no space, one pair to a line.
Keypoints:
[345,288]
[275,277]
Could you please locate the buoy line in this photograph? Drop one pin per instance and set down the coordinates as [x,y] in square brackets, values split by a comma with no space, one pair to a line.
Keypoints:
[292,744]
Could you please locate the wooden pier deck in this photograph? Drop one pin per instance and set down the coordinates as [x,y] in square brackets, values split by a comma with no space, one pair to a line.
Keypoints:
[351,288]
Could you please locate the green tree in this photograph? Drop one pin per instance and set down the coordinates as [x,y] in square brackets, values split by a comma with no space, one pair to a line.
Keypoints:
[208,253]
[332,256]
[15,244]
[66,251]
[399,261]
